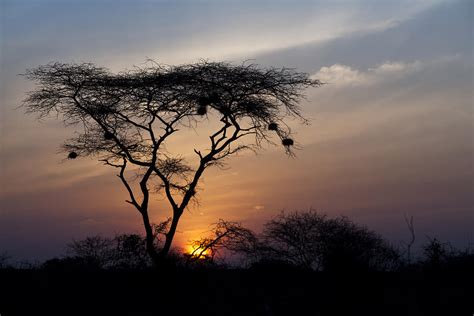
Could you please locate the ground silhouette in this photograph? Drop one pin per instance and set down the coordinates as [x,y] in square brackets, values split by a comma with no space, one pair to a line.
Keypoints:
[439,282]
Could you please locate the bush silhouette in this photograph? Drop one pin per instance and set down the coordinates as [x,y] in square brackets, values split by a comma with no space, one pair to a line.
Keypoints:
[314,241]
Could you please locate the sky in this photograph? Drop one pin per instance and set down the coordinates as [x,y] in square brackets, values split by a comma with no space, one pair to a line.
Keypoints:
[391,132]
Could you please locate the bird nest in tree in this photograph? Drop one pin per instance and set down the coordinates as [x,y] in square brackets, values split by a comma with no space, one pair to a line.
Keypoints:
[288,142]
[108,135]
[72,155]
[202,110]
[203,101]
[211,98]
[272,126]
[214,98]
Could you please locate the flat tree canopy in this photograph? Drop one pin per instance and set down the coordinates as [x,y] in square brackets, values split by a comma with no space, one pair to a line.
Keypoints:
[127,118]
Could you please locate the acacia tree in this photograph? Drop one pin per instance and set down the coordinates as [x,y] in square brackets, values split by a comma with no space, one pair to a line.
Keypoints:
[126,120]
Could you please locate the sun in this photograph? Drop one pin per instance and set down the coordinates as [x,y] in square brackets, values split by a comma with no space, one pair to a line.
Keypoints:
[198,252]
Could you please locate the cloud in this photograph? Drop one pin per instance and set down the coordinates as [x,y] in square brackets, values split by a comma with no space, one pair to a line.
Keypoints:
[343,75]
[339,74]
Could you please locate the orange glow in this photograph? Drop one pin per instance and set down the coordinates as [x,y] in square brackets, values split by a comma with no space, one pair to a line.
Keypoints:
[197,252]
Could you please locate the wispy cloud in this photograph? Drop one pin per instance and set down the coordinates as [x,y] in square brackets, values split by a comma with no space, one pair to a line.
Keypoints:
[339,75]
[345,75]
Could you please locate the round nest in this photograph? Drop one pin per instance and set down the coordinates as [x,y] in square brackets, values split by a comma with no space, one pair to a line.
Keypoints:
[287,142]
[272,126]
[108,135]
[72,155]
[203,101]
[202,110]
[214,98]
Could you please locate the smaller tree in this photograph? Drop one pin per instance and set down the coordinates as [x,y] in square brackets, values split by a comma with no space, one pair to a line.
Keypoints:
[97,250]
[4,257]
[294,238]
[124,251]
[224,237]
[409,244]
[314,241]
[436,253]
[130,252]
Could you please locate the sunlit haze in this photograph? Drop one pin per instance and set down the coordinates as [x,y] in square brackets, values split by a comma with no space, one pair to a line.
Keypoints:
[390,134]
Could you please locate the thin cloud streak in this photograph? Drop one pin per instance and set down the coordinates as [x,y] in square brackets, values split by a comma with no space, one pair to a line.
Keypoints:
[340,76]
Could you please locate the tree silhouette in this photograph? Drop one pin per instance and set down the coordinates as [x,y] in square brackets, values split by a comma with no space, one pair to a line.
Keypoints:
[96,250]
[126,120]
[224,235]
[130,252]
[409,245]
[314,241]
[4,257]
[436,253]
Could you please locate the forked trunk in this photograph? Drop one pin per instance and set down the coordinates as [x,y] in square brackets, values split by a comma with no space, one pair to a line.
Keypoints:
[170,235]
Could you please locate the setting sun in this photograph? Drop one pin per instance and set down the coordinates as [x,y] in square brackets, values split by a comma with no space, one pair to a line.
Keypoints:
[197,252]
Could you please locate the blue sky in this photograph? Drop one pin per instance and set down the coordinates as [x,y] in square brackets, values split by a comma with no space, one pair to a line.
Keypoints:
[391,132]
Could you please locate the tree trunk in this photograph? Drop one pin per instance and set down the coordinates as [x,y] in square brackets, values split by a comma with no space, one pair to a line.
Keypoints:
[160,258]
[150,240]
[171,233]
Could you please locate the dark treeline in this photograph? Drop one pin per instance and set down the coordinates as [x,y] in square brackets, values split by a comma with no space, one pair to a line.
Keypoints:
[301,261]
